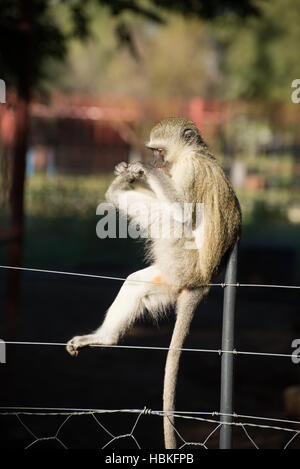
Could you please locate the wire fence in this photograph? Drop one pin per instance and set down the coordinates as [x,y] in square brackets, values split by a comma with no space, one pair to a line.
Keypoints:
[289,427]
[219,420]
[122,279]
[141,347]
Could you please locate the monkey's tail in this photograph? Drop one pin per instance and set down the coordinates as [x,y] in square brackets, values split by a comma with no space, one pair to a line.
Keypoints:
[185,307]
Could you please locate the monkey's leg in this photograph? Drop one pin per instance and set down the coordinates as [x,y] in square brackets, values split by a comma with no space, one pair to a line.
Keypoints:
[142,289]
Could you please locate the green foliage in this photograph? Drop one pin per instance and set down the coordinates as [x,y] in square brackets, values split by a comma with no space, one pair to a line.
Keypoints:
[260,53]
[48,40]
[207,50]
[268,207]
[209,9]
[42,25]
[245,49]
[101,66]
[74,197]
[65,196]
[61,222]
[264,213]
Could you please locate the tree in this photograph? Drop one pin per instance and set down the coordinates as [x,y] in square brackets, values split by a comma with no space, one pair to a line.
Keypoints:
[260,53]
[49,39]
[29,37]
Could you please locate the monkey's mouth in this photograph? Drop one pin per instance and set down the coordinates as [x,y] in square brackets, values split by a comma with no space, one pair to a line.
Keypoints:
[158,157]
[159,160]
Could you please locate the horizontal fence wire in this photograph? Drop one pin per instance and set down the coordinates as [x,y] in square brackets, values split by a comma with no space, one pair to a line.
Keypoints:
[208,417]
[19,412]
[122,279]
[165,349]
[105,277]
[8,410]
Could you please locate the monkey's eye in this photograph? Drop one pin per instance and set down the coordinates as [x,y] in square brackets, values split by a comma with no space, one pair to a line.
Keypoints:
[188,134]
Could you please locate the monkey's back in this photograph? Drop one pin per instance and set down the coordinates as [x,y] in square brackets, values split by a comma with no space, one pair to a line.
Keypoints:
[222,224]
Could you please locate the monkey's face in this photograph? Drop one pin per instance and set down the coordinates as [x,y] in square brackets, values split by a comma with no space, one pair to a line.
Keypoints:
[170,138]
[159,154]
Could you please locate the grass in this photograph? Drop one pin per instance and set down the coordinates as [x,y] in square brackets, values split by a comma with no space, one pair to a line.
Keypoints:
[61,220]
[60,225]
[65,196]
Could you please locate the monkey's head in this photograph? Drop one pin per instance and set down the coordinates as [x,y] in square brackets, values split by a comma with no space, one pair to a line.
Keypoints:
[171,137]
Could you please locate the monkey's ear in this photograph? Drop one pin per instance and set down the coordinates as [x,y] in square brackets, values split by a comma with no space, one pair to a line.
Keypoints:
[188,134]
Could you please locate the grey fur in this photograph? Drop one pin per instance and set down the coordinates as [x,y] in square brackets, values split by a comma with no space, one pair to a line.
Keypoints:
[187,172]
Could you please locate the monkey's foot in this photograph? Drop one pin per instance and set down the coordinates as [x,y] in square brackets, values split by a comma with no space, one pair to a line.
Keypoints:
[80,341]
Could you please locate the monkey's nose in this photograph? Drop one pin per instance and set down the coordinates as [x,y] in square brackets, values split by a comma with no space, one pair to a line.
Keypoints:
[158,158]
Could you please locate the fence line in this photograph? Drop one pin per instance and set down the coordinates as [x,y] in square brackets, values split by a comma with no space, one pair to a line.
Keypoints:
[68,413]
[122,279]
[12,410]
[165,349]
[226,419]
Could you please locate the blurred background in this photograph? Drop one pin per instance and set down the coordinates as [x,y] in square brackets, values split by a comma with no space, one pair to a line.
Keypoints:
[85,82]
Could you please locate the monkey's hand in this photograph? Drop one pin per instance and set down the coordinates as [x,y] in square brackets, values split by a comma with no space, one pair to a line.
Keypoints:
[121,168]
[130,173]
[138,171]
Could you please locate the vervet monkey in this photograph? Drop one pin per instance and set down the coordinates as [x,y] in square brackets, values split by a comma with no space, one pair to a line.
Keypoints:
[183,171]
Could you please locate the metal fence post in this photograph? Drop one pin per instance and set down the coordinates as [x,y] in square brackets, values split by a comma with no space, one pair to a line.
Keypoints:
[226,399]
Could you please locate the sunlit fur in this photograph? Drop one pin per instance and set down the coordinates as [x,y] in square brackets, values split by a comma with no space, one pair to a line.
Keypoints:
[177,276]
[197,177]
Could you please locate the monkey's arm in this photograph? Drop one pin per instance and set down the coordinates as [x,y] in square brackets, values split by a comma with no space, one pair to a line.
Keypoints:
[121,184]
[162,188]
[132,197]
[158,181]
[150,191]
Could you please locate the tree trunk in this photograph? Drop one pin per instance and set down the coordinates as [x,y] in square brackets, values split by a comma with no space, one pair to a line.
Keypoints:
[18,170]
